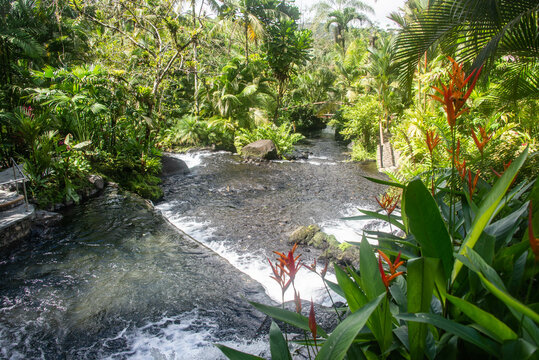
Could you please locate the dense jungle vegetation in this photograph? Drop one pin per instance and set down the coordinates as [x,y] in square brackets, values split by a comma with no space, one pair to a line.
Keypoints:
[104,86]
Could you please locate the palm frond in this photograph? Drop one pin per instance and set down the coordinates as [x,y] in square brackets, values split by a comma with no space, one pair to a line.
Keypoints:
[478,30]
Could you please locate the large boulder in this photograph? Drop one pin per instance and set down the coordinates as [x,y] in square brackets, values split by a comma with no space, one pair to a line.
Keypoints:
[173,166]
[260,149]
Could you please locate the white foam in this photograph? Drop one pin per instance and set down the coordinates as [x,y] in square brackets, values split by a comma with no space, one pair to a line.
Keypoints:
[193,159]
[186,336]
[255,265]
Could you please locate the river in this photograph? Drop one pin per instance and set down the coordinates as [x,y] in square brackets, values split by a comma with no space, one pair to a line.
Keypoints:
[116,280]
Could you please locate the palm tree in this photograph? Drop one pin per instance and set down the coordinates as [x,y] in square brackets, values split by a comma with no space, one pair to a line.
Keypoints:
[481,31]
[382,78]
[339,14]
[242,15]
[339,20]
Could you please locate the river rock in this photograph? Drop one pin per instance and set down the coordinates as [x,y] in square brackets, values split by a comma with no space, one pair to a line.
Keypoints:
[97,181]
[303,234]
[261,149]
[173,166]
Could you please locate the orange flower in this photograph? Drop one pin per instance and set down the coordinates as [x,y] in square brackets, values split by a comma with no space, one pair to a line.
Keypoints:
[484,139]
[387,202]
[461,168]
[432,141]
[280,277]
[534,242]
[288,263]
[392,268]
[453,96]
[472,183]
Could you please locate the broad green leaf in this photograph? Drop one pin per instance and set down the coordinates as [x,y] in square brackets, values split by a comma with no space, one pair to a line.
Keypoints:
[495,285]
[233,354]
[518,349]
[427,225]
[420,285]
[371,283]
[376,215]
[342,337]
[352,293]
[289,317]
[384,182]
[335,287]
[466,333]
[488,208]
[488,322]
[278,345]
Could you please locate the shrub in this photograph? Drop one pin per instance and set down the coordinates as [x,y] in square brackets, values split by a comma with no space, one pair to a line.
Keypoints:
[282,136]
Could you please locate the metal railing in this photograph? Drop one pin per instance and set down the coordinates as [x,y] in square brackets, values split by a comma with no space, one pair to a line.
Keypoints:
[16,180]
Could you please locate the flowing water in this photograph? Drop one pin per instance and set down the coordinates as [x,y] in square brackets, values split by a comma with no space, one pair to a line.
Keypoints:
[115,280]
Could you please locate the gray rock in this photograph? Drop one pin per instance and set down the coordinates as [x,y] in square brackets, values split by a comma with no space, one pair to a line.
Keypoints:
[261,149]
[97,181]
[47,218]
[173,166]
[303,234]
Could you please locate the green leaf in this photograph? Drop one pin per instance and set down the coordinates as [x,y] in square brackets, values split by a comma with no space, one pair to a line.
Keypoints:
[371,282]
[289,317]
[353,294]
[342,337]
[497,290]
[233,354]
[278,345]
[518,349]
[427,225]
[466,333]
[420,285]
[489,324]
[384,182]
[376,215]
[488,207]
[335,287]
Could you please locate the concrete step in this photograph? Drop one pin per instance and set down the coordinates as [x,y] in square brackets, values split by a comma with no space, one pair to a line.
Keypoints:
[9,200]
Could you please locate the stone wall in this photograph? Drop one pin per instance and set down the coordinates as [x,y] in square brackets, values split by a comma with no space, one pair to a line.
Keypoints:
[16,230]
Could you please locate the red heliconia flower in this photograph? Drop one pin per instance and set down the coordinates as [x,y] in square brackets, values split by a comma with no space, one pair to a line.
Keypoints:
[388,203]
[312,321]
[313,268]
[455,153]
[297,301]
[288,263]
[461,168]
[472,183]
[484,139]
[280,276]
[505,166]
[534,242]
[453,95]
[392,268]
[432,141]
